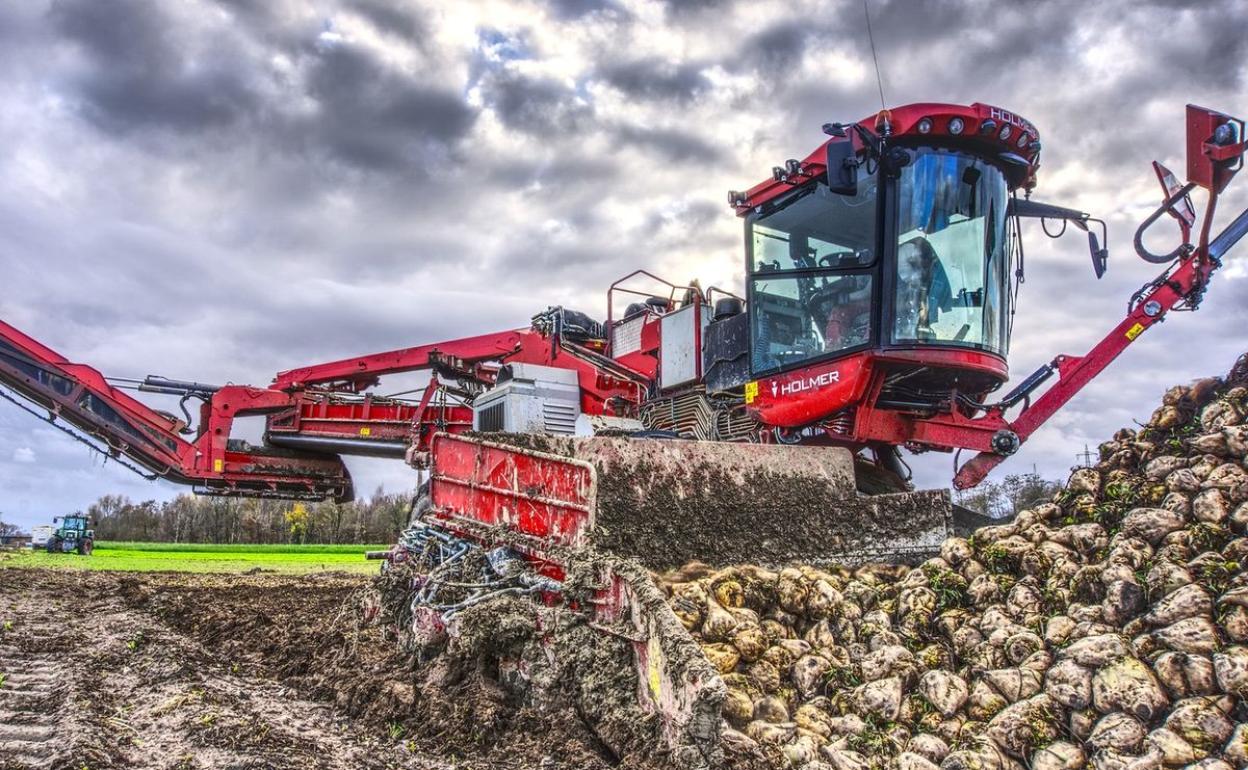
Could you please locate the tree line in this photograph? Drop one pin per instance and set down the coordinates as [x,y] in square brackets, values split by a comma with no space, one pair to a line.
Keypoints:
[380,518]
[1008,496]
[228,520]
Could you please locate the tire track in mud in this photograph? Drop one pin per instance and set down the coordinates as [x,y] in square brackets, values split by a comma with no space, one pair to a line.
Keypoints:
[92,681]
[35,687]
[31,699]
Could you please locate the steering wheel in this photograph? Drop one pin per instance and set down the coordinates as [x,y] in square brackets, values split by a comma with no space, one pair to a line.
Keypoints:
[827,259]
[815,305]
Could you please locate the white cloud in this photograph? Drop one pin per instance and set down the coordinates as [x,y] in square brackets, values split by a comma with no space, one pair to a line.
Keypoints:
[24,454]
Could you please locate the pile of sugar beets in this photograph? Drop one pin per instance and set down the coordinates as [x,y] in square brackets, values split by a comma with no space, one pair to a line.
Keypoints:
[1106,629]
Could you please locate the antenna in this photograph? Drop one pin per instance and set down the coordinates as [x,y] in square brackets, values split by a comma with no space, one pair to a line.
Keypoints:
[879,80]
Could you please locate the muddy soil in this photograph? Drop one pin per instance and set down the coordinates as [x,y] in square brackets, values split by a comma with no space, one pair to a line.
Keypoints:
[110,670]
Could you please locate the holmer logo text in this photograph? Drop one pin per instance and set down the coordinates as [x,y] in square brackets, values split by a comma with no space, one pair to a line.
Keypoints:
[808,383]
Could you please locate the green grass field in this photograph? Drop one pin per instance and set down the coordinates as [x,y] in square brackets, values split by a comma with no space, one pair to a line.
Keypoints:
[201,557]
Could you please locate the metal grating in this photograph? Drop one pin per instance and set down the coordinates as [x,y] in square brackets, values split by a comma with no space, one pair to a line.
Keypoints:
[491,418]
[559,417]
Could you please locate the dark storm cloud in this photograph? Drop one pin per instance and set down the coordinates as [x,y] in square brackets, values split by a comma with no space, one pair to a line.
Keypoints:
[774,49]
[1220,61]
[540,106]
[671,144]
[387,18]
[373,117]
[577,9]
[144,71]
[679,10]
[560,176]
[653,78]
[137,75]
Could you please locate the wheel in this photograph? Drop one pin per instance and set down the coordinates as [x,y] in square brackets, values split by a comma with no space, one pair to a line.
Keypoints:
[85,547]
[54,544]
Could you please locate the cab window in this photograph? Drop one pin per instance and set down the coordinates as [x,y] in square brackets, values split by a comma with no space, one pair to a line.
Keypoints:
[952,253]
[811,287]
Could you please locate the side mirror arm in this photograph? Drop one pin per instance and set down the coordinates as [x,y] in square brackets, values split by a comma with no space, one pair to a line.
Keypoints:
[1098,248]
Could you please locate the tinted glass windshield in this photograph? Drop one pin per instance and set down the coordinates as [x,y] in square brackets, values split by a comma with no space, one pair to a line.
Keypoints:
[810,292]
[819,229]
[952,257]
[800,318]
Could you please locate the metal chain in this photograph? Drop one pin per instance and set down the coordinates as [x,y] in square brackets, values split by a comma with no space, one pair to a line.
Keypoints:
[51,420]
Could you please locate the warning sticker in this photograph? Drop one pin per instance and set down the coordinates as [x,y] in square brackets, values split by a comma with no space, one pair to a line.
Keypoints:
[1134,331]
[751,391]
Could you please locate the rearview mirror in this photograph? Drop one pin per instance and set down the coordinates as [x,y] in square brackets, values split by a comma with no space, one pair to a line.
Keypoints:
[1100,257]
[842,167]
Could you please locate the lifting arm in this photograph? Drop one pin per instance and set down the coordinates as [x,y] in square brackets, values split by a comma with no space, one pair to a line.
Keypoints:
[362,372]
[116,424]
[1215,151]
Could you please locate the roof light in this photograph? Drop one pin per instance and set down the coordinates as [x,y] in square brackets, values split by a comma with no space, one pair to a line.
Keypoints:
[834,129]
[924,126]
[735,198]
[793,166]
[777,173]
[884,122]
[988,126]
[1224,134]
[1005,132]
[1022,139]
[1035,146]
[956,125]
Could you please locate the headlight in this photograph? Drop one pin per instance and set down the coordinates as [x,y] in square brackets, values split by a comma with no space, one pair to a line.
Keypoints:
[956,125]
[1005,132]
[924,126]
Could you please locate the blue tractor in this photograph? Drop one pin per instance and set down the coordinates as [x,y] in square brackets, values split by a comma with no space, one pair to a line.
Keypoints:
[72,535]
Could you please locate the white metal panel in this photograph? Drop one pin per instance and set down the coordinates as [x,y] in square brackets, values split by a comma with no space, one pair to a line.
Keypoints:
[39,535]
[626,336]
[535,399]
[680,350]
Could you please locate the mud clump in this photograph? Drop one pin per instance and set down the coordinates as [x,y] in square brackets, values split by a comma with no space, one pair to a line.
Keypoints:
[1107,628]
[515,677]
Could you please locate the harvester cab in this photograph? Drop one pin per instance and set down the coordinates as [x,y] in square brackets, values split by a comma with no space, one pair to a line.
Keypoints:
[881,274]
[73,535]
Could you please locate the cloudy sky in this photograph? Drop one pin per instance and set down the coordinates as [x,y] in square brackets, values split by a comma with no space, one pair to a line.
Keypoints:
[221,189]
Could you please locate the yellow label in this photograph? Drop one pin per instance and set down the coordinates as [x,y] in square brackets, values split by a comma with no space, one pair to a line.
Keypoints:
[751,391]
[1134,331]
[218,466]
[654,674]
[366,431]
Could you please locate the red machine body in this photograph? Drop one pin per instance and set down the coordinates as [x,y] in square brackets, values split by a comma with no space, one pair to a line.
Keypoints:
[877,315]
[846,398]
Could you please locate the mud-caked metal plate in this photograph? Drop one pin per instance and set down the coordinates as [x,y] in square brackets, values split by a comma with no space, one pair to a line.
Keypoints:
[668,502]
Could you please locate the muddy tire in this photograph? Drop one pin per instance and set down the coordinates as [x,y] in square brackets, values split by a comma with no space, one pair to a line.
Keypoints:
[85,547]
[54,544]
